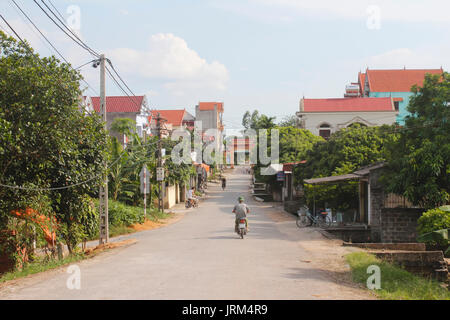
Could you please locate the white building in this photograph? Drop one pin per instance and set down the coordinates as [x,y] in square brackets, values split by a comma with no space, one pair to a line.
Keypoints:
[323,117]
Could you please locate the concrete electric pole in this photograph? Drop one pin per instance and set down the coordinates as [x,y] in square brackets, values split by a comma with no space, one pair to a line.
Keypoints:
[103,210]
[159,168]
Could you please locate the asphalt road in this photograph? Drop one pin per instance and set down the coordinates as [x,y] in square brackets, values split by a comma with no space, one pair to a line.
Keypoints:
[199,257]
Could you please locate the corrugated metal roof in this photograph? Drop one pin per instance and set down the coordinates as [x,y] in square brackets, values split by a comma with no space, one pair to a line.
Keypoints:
[343,177]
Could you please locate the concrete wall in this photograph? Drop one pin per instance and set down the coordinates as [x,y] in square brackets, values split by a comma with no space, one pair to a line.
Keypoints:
[209,118]
[339,120]
[399,224]
[170,197]
[403,112]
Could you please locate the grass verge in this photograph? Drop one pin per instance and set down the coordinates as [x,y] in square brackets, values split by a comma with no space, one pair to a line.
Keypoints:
[396,283]
[123,229]
[40,265]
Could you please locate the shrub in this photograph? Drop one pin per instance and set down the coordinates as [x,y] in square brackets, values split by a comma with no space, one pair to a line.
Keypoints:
[434,220]
[121,214]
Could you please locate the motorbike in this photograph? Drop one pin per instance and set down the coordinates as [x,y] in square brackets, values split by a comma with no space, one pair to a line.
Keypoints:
[242,228]
[191,204]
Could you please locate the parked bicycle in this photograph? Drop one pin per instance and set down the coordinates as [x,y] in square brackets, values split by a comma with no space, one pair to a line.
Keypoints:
[306,219]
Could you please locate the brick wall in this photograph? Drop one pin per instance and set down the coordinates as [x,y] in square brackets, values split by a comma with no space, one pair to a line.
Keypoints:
[399,224]
[376,204]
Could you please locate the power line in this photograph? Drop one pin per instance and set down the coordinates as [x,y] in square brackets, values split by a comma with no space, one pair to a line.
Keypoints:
[79,183]
[121,88]
[70,30]
[85,64]
[71,37]
[110,63]
[48,41]
[81,43]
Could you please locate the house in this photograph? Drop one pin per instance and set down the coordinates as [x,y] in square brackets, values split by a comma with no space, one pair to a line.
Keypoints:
[85,105]
[381,216]
[238,150]
[210,116]
[134,108]
[393,83]
[172,120]
[323,117]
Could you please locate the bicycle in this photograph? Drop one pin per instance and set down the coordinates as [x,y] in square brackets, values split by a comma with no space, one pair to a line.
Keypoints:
[306,219]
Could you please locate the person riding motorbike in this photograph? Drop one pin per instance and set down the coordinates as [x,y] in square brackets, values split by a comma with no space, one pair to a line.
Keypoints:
[240,210]
[224,183]
[191,198]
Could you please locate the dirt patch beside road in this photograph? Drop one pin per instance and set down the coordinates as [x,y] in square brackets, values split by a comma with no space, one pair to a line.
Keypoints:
[326,255]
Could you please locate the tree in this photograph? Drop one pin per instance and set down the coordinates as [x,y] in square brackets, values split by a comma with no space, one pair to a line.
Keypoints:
[295,143]
[288,121]
[124,126]
[46,144]
[345,151]
[246,119]
[264,122]
[419,161]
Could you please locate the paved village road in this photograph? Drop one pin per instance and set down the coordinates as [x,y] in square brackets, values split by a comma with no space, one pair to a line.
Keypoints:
[200,257]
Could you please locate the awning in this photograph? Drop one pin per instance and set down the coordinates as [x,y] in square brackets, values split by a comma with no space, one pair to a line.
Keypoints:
[343,177]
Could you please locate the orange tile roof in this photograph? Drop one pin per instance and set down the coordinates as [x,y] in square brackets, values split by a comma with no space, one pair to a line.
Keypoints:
[362,81]
[204,106]
[174,117]
[348,105]
[119,103]
[397,80]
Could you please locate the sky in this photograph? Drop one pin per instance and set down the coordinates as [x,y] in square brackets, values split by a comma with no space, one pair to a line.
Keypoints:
[260,55]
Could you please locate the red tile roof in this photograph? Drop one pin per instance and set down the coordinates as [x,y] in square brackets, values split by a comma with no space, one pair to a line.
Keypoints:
[362,81]
[347,105]
[204,106]
[397,80]
[120,103]
[174,117]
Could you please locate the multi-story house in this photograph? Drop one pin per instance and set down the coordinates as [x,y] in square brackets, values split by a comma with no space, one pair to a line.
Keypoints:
[394,84]
[134,108]
[323,117]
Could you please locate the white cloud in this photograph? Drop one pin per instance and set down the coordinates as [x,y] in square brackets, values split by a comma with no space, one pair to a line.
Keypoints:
[169,58]
[398,10]
[406,57]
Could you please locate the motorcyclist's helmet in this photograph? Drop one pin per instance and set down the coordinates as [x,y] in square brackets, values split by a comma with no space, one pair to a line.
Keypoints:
[241,199]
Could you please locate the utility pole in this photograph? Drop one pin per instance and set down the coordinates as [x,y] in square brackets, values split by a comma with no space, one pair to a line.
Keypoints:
[160,182]
[104,225]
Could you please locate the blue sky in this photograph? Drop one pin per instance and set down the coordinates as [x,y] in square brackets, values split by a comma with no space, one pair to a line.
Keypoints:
[251,54]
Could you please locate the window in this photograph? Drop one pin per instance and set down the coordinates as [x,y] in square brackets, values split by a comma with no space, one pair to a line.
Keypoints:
[325,130]
[397,105]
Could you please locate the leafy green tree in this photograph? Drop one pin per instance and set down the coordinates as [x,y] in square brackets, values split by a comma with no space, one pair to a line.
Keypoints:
[419,161]
[288,121]
[246,120]
[45,141]
[124,126]
[256,121]
[345,151]
[295,143]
